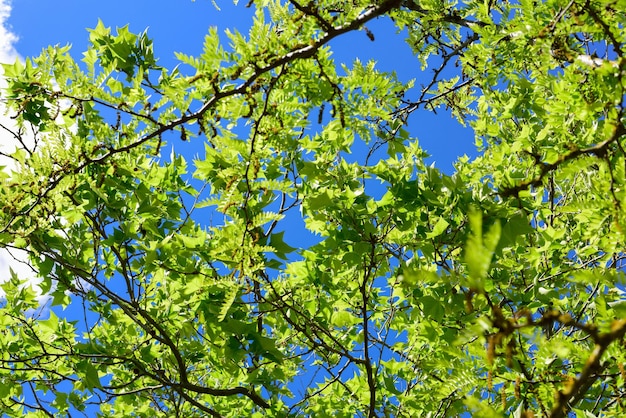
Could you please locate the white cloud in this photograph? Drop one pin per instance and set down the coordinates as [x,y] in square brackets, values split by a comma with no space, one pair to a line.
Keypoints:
[15,260]
[8,54]
[7,38]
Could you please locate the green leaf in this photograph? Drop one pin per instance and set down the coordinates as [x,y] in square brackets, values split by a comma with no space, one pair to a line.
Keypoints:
[438,229]
[174,297]
[266,347]
[343,319]
[229,299]
[89,374]
[433,308]
[281,248]
[479,248]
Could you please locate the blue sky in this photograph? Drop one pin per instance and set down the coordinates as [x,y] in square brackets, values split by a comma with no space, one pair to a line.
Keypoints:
[180,27]
[28,26]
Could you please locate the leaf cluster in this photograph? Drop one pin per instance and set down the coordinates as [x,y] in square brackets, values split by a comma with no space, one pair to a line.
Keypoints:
[175,290]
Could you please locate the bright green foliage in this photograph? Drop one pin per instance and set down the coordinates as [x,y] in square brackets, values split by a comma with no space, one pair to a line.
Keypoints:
[497,290]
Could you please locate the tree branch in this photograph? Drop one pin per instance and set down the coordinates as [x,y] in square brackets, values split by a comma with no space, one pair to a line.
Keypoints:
[576,390]
[545,168]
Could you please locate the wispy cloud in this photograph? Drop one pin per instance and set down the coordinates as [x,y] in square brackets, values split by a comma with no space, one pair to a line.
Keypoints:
[14,259]
[7,38]
[8,54]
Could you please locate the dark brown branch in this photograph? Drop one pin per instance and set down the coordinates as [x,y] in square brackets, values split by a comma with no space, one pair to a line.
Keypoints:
[299,53]
[239,390]
[449,18]
[423,100]
[311,11]
[597,150]
[153,328]
[364,288]
[577,388]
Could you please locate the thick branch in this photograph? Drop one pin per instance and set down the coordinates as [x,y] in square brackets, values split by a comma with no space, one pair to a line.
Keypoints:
[299,53]
[598,150]
[577,389]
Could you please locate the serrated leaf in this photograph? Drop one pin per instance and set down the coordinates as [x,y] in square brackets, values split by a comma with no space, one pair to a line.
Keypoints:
[229,299]
[479,249]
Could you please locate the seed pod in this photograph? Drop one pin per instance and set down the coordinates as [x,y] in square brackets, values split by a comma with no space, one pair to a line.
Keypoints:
[491,349]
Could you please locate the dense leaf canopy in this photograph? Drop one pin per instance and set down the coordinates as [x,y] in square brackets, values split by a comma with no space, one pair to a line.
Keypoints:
[496,290]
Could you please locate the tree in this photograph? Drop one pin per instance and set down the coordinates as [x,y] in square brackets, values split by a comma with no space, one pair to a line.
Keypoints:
[496,290]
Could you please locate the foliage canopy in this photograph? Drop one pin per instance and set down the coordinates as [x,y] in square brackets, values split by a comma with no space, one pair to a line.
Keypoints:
[497,290]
